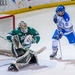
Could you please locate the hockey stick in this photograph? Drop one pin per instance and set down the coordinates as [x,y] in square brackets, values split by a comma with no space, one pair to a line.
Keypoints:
[36,52]
[60,50]
[22,46]
[5,52]
[5,64]
[11,58]
[16,45]
[40,50]
[9,53]
[4,38]
[33,52]
[59,43]
[14,60]
[18,65]
[8,40]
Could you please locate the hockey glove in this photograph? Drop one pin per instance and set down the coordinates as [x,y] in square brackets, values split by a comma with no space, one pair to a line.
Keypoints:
[59,35]
[28,39]
[9,37]
[55,18]
[36,39]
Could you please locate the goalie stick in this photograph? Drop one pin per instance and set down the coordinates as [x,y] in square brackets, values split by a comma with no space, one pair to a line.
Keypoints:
[16,37]
[33,52]
[16,44]
[10,58]
[36,52]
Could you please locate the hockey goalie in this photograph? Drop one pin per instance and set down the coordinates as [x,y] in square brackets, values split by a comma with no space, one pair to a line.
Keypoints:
[22,38]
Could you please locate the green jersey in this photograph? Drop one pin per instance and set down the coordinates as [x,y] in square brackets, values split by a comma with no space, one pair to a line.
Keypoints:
[21,35]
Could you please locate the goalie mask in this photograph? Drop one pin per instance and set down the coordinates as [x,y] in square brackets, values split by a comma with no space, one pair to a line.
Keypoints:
[23,27]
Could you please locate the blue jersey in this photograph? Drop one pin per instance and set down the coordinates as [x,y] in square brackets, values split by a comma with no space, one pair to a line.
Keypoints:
[65,26]
[63,23]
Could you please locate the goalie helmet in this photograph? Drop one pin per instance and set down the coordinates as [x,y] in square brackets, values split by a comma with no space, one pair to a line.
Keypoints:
[23,26]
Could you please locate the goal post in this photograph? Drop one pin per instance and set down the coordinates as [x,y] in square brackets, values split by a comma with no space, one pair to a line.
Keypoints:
[7,24]
[9,17]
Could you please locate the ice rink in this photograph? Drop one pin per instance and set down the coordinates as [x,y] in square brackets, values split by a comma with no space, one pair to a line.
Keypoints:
[42,20]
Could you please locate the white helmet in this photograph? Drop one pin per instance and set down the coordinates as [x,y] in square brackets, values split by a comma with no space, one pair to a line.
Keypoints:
[23,26]
[22,23]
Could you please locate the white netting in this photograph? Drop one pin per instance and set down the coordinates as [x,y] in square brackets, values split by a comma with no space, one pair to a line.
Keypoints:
[6,25]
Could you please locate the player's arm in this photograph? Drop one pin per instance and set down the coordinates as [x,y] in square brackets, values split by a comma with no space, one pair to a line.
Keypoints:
[10,35]
[59,29]
[68,27]
[55,19]
[35,35]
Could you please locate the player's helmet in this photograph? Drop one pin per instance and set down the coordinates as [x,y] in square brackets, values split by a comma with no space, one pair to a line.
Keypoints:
[22,23]
[23,26]
[60,8]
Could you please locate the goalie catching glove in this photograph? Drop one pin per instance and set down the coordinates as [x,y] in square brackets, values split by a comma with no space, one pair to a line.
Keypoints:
[29,39]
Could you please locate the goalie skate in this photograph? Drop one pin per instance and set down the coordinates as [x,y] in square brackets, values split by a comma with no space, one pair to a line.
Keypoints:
[13,67]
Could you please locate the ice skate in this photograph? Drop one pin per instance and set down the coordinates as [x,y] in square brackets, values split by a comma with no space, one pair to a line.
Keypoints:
[53,54]
[13,67]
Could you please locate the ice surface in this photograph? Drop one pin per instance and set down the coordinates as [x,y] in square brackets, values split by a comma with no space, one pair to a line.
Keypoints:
[42,20]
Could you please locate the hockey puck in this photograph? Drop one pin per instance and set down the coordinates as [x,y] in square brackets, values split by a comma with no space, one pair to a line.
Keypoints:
[30,7]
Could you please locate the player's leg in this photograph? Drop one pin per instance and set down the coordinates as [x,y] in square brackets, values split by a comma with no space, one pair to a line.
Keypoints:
[71,38]
[23,60]
[54,48]
[16,46]
[55,40]
[29,57]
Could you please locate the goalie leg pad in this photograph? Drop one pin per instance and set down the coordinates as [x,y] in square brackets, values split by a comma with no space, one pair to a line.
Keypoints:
[17,52]
[33,59]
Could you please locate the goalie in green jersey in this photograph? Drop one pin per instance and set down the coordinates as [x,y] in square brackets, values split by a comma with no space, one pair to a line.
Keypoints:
[22,38]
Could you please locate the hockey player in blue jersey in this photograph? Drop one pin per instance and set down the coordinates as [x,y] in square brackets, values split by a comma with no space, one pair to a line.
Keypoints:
[64,28]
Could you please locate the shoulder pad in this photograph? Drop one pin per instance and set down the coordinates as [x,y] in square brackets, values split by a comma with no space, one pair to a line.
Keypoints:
[66,17]
[29,27]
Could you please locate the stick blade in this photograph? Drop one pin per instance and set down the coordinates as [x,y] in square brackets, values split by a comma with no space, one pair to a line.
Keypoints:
[41,50]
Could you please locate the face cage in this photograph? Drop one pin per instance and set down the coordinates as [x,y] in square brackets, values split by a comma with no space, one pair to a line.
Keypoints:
[62,13]
[24,30]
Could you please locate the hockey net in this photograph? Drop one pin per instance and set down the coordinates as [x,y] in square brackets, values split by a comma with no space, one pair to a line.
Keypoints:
[7,23]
